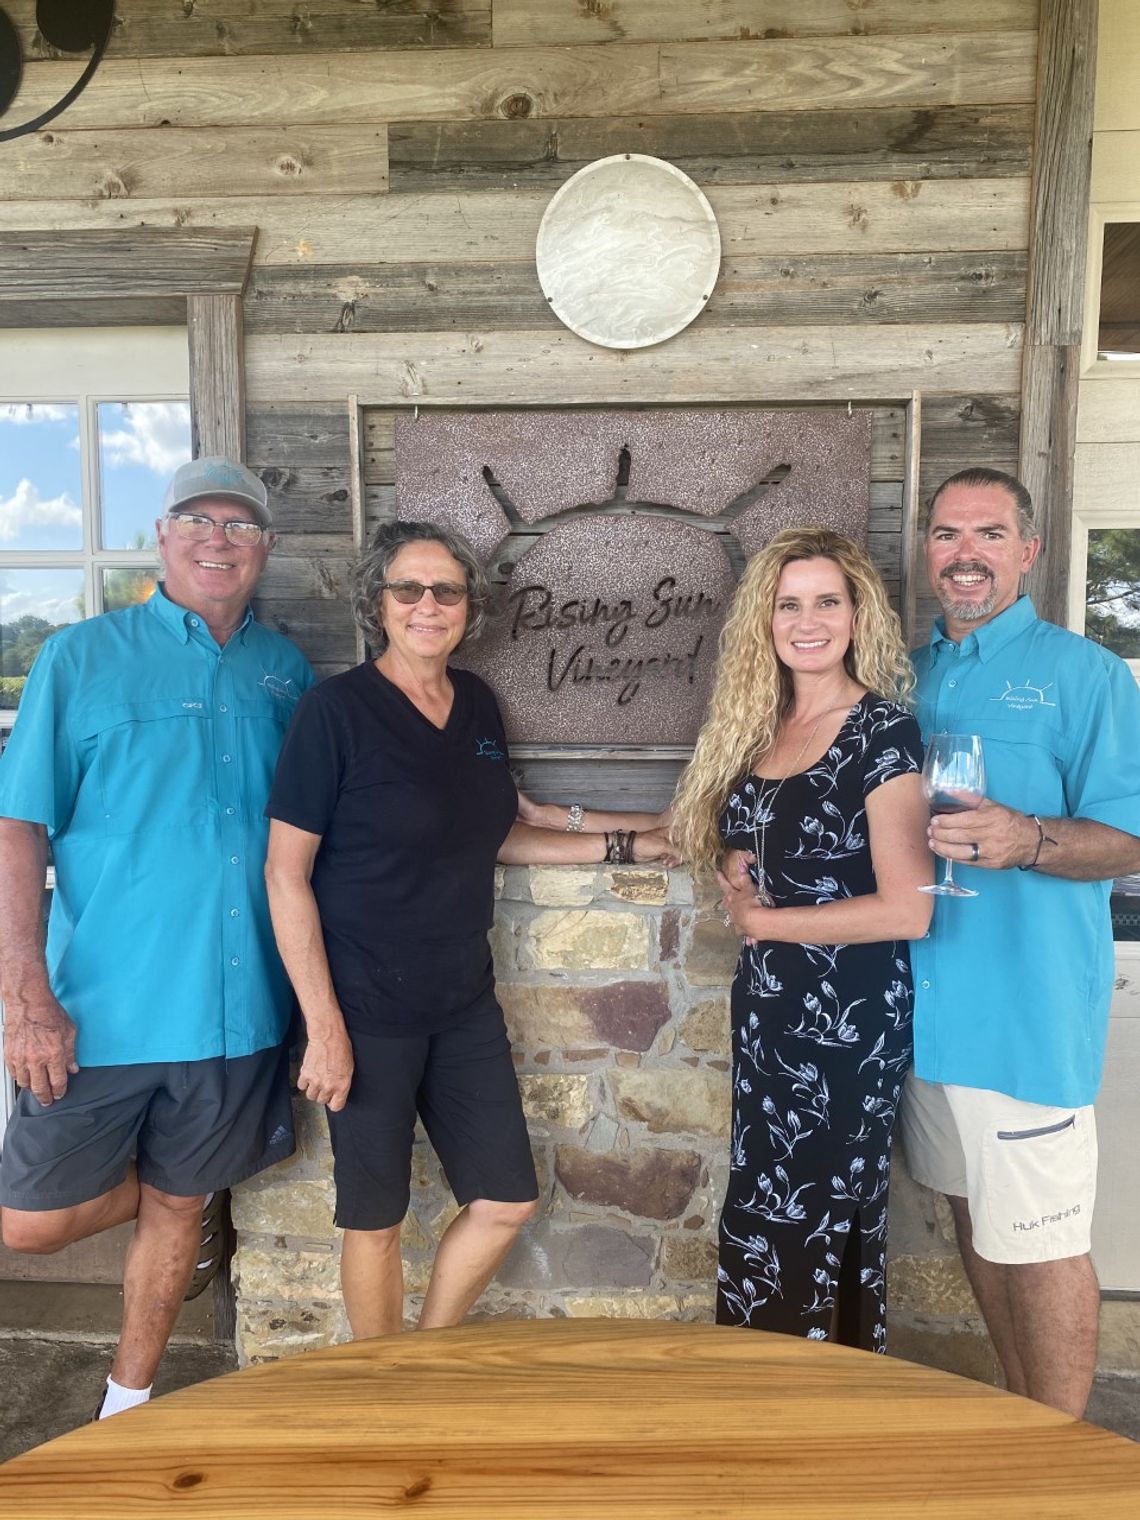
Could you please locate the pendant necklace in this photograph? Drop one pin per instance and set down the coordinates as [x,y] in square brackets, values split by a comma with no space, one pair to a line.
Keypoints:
[763,896]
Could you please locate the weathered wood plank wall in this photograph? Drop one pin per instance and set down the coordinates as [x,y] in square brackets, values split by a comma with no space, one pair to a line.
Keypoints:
[869,166]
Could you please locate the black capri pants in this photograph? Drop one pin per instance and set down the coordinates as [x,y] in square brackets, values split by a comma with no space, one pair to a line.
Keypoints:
[461,1082]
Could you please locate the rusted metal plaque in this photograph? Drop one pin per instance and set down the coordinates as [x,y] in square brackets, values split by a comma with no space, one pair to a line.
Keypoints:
[605,629]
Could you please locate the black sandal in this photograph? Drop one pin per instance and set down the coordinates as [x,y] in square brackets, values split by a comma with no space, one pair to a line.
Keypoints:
[212,1246]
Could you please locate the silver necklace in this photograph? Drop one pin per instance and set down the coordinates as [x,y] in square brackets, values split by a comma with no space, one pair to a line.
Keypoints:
[763,896]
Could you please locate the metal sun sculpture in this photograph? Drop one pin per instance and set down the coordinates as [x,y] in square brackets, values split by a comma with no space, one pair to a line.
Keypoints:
[72,26]
[613,535]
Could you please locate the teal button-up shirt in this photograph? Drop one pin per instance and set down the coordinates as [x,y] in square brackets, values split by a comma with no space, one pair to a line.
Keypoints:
[148,753]
[1012,987]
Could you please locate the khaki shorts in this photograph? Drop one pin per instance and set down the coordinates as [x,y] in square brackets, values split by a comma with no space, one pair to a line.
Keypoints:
[1027,1170]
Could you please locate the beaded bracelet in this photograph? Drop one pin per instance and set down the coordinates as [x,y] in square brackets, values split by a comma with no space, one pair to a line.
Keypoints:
[619,848]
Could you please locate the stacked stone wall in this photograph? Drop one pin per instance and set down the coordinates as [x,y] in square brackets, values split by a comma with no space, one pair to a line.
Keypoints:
[614,982]
[615,988]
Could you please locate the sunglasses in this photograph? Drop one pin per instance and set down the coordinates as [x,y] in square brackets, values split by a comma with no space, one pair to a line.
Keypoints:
[199,530]
[446,593]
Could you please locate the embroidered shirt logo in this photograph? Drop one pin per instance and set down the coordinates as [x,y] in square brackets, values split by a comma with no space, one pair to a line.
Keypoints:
[1025,697]
[488,749]
[278,687]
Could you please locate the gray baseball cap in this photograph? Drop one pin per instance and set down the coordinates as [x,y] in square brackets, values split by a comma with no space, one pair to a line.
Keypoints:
[213,475]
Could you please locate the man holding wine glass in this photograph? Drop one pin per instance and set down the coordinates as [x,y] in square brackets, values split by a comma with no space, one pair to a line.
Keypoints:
[1033,778]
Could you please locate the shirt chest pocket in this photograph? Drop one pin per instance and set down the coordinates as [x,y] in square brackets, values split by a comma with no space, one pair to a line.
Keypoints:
[259,725]
[151,764]
[1024,756]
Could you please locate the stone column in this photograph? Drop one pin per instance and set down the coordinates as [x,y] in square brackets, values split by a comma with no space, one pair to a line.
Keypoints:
[614,982]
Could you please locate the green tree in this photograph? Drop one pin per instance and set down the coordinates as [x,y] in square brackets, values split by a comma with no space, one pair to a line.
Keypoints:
[1112,614]
[125,585]
[20,642]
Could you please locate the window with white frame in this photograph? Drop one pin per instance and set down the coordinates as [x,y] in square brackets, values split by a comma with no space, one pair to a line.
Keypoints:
[1104,586]
[1118,315]
[1105,602]
[93,422]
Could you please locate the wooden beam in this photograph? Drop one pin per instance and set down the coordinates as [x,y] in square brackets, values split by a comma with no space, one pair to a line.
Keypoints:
[725,148]
[138,162]
[204,28]
[563,23]
[777,291]
[975,215]
[217,375]
[1055,307]
[702,364]
[975,428]
[911,513]
[477,83]
[102,263]
[98,311]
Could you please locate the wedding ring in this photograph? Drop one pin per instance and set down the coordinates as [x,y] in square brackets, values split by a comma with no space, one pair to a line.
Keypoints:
[975,854]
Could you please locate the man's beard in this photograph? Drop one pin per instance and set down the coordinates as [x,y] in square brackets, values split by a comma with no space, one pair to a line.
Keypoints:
[964,612]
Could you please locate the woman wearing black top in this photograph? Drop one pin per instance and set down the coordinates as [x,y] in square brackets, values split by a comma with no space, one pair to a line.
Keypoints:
[393,799]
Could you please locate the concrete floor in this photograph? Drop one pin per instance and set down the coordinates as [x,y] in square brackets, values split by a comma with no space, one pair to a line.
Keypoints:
[56,1344]
[52,1368]
[51,1387]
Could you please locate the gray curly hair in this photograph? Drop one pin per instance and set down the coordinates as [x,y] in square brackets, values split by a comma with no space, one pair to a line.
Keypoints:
[371,571]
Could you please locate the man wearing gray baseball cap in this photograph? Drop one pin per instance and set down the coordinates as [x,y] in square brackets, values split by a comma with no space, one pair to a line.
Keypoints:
[223,479]
[147,1035]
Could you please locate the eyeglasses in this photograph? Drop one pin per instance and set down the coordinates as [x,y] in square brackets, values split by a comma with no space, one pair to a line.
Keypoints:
[239,531]
[446,593]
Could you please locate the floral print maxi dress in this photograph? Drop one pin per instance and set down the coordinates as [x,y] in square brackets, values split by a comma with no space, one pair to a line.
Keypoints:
[821,1040]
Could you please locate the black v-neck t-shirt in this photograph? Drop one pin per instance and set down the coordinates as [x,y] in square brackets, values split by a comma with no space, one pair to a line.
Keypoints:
[411,818]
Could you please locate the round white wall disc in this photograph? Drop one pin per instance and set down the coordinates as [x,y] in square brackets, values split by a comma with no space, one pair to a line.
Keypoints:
[628,251]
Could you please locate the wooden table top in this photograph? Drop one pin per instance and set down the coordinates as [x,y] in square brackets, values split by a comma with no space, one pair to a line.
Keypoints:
[583,1420]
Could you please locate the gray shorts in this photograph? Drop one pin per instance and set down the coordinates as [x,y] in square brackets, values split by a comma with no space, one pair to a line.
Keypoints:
[191,1126]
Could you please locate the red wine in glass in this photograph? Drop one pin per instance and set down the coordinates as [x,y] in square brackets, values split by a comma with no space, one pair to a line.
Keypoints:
[953,781]
[944,801]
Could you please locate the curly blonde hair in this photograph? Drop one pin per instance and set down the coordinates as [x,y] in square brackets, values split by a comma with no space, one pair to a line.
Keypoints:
[752,689]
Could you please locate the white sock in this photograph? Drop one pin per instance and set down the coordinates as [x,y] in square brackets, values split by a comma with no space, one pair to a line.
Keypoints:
[117,1398]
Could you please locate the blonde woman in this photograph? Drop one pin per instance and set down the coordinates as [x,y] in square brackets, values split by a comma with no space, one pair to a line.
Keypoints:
[807,773]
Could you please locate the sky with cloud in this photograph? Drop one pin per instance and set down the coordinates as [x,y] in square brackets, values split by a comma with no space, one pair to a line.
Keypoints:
[140,444]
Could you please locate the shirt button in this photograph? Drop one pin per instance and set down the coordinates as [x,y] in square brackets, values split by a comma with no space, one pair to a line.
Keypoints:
[234,860]
[194,623]
[235,912]
[223,708]
[234,961]
[230,812]
[225,759]
[949,683]
[926,986]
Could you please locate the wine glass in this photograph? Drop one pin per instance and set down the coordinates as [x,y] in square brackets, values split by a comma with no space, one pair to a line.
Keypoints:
[953,781]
